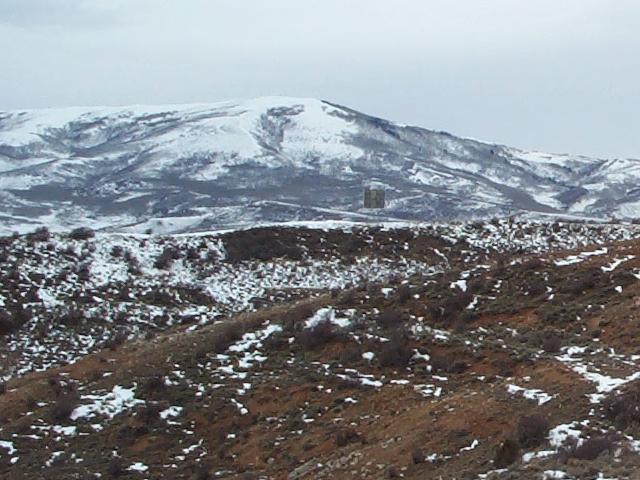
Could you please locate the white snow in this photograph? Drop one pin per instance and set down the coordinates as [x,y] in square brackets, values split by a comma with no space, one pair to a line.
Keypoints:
[527,457]
[173,411]
[461,284]
[369,356]
[327,315]
[530,394]
[571,259]
[553,474]
[604,383]
[8,446]
[53,458]
[233,130]
[473,445]
[560,434]
[249,347]
[616,263]
[138,467]
[109,405]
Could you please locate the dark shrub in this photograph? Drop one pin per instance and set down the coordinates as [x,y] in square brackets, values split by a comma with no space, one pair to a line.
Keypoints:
[7,241]
[581,281]
[166,258]
[149,413]
[196,295]
[403,294]
[117,251]
[535,288]
[351,245]
[154,384]
[593,448]
[418,456]
[534,263]
[192,254]
[552,344]
[128,433]
[261,244]
[160,297]
[132,263]
[395,353]
[115,467]
[65,404]
[507,453]
[32,295]
[7,324]
[41,234]
[624,409]
[84,272]
[30,402]
[461,321]
[392,472]
[115,341]
[82,233]
[14,318]
[479,285]
[450,307]
[350,354]
[532,430]
[294,318]
[347,298]
[226,334]
[124,293]
[553,313]
[212,256]
[346,436]
[54,383]
[22,426]
[202,472]
[3,388]
[447,364]
[390,318]
[317,336]
[72,316]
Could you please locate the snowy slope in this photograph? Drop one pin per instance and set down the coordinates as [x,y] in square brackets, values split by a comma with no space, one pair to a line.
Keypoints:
[189,167]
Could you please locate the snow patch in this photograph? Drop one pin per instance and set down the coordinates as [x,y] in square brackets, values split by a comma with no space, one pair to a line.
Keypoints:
[109,405]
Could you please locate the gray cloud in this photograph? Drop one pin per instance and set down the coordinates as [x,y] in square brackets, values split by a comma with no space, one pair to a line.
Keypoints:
[550,75]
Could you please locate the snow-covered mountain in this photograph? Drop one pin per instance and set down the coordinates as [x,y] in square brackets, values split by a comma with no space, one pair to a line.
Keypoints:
[192,167]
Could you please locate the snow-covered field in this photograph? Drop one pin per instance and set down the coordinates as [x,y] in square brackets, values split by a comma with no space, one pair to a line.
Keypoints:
[82,293]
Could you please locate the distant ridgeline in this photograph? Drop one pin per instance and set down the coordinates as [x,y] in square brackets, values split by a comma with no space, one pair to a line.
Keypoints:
[187,168]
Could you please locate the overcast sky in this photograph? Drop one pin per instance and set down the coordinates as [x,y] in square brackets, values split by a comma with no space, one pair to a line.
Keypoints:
[553,75]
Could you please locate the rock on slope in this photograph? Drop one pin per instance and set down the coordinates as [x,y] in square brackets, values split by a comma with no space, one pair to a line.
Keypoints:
[194,167]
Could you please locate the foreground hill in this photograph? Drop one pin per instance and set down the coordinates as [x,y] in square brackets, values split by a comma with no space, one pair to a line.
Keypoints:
[491,350]
[198,167]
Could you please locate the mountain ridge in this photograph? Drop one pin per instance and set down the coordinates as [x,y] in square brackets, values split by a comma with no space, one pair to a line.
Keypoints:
[111,167]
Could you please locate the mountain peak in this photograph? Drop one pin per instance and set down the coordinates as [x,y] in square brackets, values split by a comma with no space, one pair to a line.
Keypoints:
[271,159]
